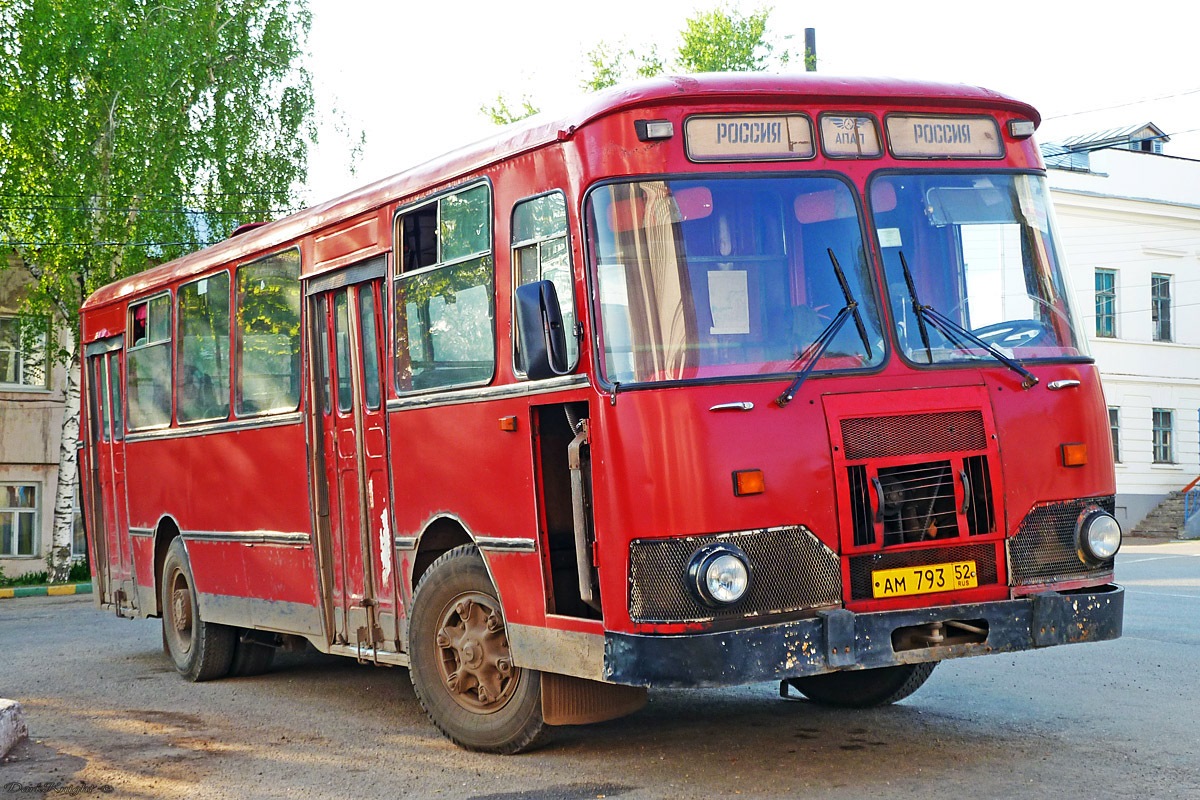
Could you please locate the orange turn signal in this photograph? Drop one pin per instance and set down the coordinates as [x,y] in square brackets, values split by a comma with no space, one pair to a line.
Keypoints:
[748,481]
[508,424]
[1074,454]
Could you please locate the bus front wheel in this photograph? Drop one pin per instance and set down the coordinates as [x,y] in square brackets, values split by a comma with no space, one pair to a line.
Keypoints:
[200,650]
[459,660]
[864,688]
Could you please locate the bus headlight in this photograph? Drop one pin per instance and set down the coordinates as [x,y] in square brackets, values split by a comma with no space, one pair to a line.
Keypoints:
[719,574]
[1098,534]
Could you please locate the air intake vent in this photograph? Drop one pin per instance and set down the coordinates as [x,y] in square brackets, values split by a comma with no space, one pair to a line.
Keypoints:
[910,434]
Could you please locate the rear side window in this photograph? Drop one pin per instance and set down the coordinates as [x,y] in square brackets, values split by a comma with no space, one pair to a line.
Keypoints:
[202,380]
[148,379]
[268,335]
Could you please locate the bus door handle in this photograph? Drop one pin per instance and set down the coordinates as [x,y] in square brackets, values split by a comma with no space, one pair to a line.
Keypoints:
[880,502]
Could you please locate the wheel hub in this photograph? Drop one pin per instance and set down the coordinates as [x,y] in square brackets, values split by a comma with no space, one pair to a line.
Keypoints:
[475,663]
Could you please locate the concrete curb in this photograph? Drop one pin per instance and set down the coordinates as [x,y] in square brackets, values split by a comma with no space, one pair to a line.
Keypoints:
[42,591]
[12,725]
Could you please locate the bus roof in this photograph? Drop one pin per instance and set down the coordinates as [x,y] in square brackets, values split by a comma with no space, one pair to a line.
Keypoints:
[546,128]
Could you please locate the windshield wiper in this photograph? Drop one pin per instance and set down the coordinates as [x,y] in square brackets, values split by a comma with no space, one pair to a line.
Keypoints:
[812,354]
[956,333]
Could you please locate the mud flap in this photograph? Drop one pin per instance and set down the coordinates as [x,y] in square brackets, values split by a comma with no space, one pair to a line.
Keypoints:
[567,700]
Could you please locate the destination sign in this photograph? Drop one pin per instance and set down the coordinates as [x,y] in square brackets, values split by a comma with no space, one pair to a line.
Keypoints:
[758,137]
[850,136]
[944,137]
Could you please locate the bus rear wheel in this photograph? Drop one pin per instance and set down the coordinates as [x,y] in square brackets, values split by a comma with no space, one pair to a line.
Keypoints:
[200,650]
[459,659]
[864,688]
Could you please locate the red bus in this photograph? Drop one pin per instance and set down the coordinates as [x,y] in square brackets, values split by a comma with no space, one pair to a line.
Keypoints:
[719,380]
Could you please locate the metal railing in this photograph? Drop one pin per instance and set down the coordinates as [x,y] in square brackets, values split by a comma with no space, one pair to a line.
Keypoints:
[1191,499]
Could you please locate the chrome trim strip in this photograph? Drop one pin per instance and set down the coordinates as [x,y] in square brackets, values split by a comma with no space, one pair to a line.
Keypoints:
[507,544]
[248,537]
[490,393]
[141,532]
[406,542]
[221,426]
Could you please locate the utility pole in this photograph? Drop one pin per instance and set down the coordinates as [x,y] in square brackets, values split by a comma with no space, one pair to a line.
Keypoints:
[810,49]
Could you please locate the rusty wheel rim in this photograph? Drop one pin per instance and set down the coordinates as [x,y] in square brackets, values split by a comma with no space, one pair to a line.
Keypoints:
[179,613]
[474,661]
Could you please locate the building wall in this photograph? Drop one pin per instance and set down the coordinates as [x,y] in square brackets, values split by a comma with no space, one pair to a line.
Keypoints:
[30,429]
[1138,214]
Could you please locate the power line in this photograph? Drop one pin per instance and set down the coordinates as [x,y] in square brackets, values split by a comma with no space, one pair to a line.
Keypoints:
[105,244]
[1124,105]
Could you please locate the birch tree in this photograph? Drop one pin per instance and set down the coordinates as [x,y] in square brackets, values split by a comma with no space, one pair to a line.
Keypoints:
[132,132]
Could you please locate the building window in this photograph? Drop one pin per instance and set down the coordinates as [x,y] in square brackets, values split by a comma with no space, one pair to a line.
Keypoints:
[22,363]
[18,519]
[1106,303]
[1160,306]
[1114,426]
[1164,436]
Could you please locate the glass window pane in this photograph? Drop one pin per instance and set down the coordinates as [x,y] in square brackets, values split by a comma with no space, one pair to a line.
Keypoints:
[148,386]
[465,227]
[445,332]
[116,402]
[341,327]
[540,218]
[25,535]
[203,377]
[322,346]
[268,321]
[160,318]
[7,528]
[370,345]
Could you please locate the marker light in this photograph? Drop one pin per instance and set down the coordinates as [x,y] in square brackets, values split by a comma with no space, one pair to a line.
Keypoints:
[649,130]
[719,574]
[1098,535]
[749,481]
[1020,128]
[1074,454]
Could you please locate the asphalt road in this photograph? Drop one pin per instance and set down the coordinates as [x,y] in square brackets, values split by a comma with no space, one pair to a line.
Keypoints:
[110,718]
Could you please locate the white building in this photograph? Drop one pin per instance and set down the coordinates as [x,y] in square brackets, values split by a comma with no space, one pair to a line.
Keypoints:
[1130,222]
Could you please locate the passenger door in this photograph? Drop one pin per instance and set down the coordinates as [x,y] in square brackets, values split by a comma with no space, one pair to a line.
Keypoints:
[358,544]
[114,569]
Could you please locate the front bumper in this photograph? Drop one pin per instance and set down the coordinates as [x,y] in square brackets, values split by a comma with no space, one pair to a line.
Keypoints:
[840,639]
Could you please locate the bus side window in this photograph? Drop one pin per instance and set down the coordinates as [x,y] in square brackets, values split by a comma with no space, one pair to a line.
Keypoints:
[268,333]
[542,252]
[202,379]
[148,379]
[445,293]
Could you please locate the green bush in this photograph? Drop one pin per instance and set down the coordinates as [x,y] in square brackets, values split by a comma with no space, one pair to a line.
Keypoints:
[28,579]
[80,572]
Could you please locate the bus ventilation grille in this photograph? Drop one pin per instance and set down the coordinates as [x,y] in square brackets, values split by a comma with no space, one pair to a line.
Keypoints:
[1043,551]
[791,570]
[861,567]
[910,434]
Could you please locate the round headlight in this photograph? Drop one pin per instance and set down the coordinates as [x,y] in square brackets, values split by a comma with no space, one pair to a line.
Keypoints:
[719,574]
[1099,535]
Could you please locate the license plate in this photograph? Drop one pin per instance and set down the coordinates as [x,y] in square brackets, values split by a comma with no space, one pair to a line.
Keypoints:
[925,579]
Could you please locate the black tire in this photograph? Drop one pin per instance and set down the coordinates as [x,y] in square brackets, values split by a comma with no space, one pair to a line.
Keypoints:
[250,658]
[201,651]
[864,688]
[459,662]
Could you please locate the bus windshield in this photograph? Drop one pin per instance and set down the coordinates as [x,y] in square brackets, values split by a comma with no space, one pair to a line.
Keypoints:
[978,249]
[721,277]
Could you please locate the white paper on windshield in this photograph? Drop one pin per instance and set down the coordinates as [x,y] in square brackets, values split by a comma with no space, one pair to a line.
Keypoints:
[729,301]
[890,237]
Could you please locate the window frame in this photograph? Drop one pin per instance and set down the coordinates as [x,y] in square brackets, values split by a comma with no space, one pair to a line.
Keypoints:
[1108,296]
[514,267]
[1160,323]
[35,512]
[21,357]
[132,349]
[402,273]
[237,338]
[1114,427]
[1162,438]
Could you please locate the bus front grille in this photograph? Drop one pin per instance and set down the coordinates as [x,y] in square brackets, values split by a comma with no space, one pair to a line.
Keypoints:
[1044,549]
[791,570]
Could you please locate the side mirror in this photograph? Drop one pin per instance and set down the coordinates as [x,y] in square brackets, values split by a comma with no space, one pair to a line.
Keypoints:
[540,328]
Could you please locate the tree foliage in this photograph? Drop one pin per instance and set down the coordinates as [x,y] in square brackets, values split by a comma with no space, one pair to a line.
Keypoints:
[720,40]
[131,132]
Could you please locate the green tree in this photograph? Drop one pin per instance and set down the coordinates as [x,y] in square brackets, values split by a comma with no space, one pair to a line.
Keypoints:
[131,132]
[720,40]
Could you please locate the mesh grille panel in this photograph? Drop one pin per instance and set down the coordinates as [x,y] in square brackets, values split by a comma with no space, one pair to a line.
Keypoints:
[790,570]
[908,434]
[1043,551]
[861,567]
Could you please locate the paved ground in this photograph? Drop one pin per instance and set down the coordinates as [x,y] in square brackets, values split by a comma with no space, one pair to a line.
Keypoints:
[109,717]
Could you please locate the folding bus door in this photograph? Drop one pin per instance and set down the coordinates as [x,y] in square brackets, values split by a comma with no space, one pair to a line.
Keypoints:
[357,546]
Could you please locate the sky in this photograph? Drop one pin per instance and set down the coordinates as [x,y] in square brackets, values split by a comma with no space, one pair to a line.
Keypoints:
[411,77]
